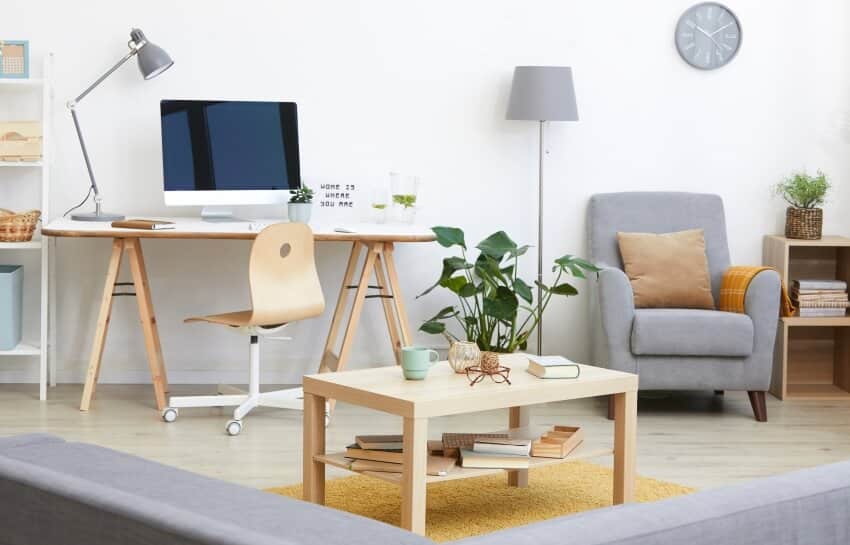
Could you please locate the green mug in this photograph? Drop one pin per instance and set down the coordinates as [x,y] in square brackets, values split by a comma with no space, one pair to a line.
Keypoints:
[415,361]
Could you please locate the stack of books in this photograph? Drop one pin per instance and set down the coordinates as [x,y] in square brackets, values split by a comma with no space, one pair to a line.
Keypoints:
[820,297]
[497,453]
[384,454]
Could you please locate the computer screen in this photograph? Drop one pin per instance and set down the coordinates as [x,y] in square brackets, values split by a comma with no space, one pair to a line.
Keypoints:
[223,146]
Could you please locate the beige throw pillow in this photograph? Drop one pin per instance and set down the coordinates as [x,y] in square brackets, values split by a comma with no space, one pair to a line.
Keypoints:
[668,270]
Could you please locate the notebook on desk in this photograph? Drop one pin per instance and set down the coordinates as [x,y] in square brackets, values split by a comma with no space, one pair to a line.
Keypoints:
[150,225]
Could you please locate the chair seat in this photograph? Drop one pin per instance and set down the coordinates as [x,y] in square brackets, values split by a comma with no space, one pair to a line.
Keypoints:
[242,318]
[691,332]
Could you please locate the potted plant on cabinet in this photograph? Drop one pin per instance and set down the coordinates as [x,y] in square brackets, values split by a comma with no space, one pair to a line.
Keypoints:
[805,194]
[300,204]
[496,308]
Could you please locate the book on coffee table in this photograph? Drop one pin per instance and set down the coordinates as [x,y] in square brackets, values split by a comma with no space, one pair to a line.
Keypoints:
[437,466]
[395,456]
[379,442]
[553,367]
[509,447]
[469,458]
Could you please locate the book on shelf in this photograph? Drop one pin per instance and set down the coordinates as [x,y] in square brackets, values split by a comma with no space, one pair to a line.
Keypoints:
[510,447]
[380,442]
[817,284]
[822,312]
[479,460]
[395,456]
[437,466]
[467,440]
[825,304]
[553,367]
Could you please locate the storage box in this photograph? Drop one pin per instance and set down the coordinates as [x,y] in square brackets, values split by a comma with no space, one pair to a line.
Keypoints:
[557,443]
[11,302]
[20,140]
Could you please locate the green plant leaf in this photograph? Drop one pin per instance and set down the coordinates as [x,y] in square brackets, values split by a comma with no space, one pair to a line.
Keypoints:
[523,290]
[502,305]
[450,266]
[468,290]
[519,251]
[433,328]
[449,236]
[564,289]
[497,245]
[455,283]
[804,191]
[444,313]
[487,268]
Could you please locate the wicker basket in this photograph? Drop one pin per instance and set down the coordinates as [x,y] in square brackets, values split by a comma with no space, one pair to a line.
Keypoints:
[804,223]
[18,227]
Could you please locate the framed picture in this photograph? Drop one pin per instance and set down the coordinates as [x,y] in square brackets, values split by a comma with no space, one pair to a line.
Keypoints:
[14,59]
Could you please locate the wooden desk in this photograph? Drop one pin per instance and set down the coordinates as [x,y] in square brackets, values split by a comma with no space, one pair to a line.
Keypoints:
[378,242]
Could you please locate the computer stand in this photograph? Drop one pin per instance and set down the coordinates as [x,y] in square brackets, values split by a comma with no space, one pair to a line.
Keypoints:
[218,214]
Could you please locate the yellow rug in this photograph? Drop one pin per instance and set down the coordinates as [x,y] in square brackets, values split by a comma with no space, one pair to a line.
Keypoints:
[469,507]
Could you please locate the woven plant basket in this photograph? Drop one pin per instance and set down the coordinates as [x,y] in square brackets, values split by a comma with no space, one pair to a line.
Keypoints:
[804,223]
[18,227]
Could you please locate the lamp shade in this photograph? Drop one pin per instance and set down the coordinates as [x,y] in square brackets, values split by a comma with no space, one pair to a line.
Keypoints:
[543,93]
[153,60]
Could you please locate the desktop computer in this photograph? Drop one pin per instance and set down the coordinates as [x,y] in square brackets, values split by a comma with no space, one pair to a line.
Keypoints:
[219,153]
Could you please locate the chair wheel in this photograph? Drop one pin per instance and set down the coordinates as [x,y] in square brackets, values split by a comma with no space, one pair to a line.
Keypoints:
[233,427]
[169,414]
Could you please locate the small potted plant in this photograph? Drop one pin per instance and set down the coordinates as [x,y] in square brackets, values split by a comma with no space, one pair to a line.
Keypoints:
[300,204]
[805,194]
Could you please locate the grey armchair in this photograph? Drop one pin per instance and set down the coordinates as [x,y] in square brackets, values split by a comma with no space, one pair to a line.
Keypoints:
[679,349]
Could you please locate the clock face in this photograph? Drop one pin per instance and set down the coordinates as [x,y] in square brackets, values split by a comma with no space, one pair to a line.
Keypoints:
[708,35]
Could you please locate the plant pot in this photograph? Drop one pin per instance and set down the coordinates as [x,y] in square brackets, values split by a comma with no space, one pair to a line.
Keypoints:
[299,212]
[804,223]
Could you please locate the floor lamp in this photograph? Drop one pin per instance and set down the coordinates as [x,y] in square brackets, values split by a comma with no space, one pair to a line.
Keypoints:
[542,93]
[153,61]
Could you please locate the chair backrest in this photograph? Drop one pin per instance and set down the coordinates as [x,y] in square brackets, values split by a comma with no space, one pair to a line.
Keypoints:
[657,212]
[282,275]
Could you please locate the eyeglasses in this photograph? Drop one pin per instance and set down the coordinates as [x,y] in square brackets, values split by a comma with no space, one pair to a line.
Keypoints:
[499,374]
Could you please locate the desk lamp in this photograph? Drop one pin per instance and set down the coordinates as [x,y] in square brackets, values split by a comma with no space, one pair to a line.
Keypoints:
[153,61]
[542,93]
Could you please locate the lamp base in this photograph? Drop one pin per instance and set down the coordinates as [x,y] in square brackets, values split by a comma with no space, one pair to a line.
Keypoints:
[97,216]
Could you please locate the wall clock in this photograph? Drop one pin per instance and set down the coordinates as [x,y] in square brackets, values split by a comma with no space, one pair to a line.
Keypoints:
[708,35]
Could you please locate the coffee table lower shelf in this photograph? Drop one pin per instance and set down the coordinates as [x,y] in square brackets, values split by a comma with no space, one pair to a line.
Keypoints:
[583,451]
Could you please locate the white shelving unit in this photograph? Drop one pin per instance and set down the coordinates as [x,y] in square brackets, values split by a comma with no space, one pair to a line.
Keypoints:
[40,89]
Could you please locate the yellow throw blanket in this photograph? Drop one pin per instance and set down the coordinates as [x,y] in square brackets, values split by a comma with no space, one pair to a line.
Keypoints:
[733,290]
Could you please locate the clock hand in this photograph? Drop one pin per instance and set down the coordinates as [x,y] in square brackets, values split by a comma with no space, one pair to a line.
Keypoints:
[709,36]
[727,25]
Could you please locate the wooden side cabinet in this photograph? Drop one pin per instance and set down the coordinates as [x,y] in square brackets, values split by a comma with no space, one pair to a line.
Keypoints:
[812,354]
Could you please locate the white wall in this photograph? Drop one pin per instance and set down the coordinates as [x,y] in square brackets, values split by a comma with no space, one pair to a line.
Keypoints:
[422,87]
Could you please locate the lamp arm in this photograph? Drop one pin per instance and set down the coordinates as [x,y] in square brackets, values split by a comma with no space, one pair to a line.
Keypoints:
[133,50]
[72,105]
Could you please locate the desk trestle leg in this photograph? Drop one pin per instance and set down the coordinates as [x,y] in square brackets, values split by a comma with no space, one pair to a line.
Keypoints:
[378,261]
[112,288]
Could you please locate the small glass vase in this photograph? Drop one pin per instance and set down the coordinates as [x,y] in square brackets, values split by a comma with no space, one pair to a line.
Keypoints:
[378,204]
[463,354]
[404,190]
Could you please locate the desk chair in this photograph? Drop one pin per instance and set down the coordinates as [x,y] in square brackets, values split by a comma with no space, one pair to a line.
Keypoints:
[284,288]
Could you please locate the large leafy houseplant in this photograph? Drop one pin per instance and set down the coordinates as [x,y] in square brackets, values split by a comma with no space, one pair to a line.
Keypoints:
[496,308]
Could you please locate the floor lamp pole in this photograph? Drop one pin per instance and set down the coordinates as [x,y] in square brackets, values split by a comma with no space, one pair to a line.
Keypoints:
[540,242]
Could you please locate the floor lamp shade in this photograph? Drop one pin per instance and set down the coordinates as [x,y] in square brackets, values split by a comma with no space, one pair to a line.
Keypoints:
[543,93]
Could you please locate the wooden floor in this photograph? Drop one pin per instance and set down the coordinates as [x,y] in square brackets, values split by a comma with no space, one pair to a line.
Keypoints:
[695,439]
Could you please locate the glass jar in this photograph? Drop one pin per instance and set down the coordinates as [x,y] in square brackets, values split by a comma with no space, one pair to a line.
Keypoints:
[404,190]
[463,354]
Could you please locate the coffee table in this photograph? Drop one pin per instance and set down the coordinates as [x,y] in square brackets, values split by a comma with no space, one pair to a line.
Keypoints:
[445,393]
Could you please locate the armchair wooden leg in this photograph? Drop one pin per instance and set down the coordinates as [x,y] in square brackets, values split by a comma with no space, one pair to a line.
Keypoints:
[757,400]
[610,407]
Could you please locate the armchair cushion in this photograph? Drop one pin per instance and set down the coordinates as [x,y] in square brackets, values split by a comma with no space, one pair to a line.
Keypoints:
[691,332]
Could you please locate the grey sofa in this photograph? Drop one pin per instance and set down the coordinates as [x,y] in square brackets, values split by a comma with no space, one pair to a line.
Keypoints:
[679,349]
[54,492]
